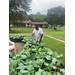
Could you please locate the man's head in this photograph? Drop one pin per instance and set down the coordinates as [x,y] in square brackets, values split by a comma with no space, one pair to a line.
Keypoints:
[36,27]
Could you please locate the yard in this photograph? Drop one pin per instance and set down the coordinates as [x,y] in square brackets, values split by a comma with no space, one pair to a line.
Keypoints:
[29,30]
[59,35]
[53,44]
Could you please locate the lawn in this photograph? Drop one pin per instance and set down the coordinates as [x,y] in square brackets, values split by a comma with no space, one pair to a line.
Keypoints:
[59,35]
[21,30]
[30,30]
[55,45]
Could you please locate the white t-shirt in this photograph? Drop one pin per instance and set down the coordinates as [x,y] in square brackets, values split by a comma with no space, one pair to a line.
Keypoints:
[38,34]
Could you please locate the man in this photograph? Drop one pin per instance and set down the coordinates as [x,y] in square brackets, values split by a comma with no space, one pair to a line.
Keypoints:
[38,33]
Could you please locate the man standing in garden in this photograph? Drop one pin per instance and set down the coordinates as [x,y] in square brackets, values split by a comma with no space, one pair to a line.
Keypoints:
[38,33]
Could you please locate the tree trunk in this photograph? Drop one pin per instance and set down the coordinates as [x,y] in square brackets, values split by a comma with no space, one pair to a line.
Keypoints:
[54,27]
[51,26]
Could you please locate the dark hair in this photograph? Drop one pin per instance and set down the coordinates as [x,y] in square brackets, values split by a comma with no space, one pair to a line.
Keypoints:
[36,26]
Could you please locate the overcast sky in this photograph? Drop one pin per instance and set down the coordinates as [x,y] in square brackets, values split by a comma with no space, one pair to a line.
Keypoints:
[43,5]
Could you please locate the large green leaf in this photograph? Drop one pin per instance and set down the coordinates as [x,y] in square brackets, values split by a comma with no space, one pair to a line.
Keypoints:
[37,73]
[24,71]
[54,60]
[23,56]
[60,56]
[48,57]
[62,71]
[40,60]
[46,64]
[55,54]
[50,52]
[30,67]
[46,73]
[58,73]
[40,70]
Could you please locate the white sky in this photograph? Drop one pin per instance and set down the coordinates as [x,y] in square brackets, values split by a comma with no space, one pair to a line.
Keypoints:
[43,5]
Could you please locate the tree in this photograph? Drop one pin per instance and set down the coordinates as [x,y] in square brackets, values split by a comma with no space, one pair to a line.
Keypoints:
[56,16]
[38,17]
[18,10]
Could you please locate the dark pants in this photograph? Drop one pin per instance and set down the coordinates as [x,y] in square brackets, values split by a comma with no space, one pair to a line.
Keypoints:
[39,41]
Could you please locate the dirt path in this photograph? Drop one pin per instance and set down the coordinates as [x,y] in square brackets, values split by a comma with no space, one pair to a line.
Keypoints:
[18,48]
[54,38]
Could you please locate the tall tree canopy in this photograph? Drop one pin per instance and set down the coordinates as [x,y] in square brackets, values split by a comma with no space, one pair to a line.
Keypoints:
[18,10]
[38,17]
[56,16]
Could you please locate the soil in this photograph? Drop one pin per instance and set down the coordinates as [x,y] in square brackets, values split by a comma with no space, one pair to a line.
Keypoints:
[18,48]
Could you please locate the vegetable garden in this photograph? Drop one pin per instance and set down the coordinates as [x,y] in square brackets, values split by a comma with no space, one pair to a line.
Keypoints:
[35,59]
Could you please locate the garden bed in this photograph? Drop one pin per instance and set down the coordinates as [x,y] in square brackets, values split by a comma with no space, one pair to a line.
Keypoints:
[33,58]
[17,38]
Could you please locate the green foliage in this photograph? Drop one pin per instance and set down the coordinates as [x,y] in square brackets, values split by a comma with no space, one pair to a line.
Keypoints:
[9,43]
[36,59]
[56,16]
[37,17]
[17,36]
[18,10]
[10,53]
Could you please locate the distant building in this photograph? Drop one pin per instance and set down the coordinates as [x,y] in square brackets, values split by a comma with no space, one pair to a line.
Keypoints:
[30,24]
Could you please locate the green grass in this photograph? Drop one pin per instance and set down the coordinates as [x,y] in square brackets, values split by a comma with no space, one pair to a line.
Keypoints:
[21,30]
[46,30]
[59,35]
[55,45]
[30,30]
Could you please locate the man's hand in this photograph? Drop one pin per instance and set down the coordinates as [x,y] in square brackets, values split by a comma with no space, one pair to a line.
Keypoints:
[31,37]
[40,40]
[41,37]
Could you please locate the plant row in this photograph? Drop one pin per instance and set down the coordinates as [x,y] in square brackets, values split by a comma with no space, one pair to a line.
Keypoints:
[36,59]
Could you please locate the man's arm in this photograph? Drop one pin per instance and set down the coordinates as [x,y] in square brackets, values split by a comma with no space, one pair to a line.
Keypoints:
[41,37]
[32,36]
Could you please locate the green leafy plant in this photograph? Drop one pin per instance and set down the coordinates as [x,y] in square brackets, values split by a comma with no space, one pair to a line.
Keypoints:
[10,44]
[17,36]
[36,59]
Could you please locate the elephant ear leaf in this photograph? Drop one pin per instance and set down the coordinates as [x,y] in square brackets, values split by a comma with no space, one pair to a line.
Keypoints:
[54,60]
[60,56]
[48,57]
[23,56]
[37,73]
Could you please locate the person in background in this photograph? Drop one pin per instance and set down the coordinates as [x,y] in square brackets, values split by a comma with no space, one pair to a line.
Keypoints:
[38,33]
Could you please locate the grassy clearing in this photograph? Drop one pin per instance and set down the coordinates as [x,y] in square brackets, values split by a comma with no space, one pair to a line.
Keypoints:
[59,35]
[21,30]
[55,45]
[46,30]
[30,30]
